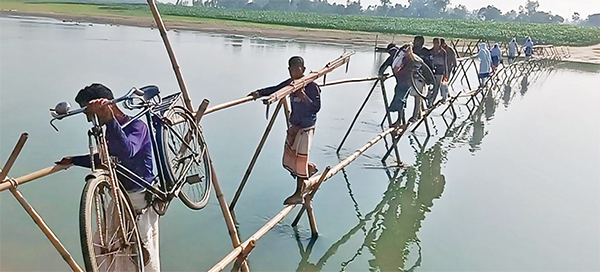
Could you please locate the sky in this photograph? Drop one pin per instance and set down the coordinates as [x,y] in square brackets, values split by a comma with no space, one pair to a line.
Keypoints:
[564,8]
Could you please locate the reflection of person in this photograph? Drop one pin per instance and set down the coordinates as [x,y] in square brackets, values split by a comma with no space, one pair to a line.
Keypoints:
[490,105]
[400,60]
[485,64]
[507,95]
[132,146]
[305,105]
[524,85]
[512,50]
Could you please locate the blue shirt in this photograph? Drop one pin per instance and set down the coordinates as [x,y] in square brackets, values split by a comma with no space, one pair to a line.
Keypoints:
[304,113]
[132,147]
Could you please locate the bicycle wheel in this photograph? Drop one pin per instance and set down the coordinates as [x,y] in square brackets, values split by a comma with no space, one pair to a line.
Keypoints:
[186,156]
[102,242]
[421,75]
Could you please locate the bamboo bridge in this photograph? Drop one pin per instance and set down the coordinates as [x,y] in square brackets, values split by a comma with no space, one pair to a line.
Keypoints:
[472,98]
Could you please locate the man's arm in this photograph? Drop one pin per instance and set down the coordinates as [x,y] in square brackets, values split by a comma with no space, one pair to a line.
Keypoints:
[386,63]
[313,92]
[269,90]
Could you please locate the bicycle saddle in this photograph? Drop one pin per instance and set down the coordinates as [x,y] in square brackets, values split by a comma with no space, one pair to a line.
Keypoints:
[150,91]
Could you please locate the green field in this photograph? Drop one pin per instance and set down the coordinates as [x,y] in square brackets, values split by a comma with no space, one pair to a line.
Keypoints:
[451,28]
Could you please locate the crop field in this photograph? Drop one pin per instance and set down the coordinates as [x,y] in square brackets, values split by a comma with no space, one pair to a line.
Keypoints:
[557,34]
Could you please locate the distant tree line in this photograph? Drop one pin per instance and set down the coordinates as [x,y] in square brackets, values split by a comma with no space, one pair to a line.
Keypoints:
[416,8]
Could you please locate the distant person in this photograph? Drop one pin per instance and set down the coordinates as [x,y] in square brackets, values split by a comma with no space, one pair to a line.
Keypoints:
[528,47]
[306,103]
[512,50]
[439,59]
[452,56]
[485,64]
[424,54]
[400,59]
[496,55]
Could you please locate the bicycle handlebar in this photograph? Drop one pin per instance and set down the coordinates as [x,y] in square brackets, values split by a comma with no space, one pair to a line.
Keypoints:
[62,110]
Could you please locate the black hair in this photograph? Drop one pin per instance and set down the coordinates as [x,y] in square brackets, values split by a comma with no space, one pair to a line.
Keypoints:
[296,61]
[419,38]
[94,91]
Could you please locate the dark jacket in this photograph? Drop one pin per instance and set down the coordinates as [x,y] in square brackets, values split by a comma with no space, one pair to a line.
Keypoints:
[304,114]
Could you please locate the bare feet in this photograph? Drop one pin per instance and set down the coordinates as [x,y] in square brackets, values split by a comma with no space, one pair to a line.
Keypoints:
[293,199]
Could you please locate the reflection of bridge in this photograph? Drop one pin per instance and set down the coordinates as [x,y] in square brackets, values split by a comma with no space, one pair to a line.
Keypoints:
[390,229]
[401,228]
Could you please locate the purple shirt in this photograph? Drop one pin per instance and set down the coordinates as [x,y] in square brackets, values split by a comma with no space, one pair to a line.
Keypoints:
[132,147]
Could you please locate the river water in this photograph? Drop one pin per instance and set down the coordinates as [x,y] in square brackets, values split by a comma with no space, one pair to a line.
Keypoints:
[514,186]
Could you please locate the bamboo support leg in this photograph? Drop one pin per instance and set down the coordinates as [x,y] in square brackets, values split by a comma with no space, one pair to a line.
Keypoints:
[13,156]
[233,234]
[64,253]
[356,116]
[389,118]
[163,33]
[310,195]
[255,156]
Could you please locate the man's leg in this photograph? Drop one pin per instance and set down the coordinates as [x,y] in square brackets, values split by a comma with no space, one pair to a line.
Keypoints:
[436,87]
[418,101]
[296,198]
[147,221]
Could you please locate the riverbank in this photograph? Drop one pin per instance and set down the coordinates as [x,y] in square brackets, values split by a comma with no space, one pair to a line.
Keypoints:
[95,14]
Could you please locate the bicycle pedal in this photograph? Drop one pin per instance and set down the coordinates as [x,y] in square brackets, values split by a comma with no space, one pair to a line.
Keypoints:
[160,207]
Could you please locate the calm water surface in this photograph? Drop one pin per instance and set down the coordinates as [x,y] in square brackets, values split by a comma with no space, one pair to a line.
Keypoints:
[515,186]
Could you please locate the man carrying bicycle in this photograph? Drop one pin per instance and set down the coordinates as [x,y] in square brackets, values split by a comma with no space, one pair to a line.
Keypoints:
[131,145]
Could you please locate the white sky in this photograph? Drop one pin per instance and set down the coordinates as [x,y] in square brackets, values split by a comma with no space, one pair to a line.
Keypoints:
[564,8]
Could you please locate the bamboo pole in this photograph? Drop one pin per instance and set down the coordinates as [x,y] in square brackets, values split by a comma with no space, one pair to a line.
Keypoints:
[356,116]
[232,256]
[13,156]
[12,185]
[64,253]
[350,80]
[308,198]
[163,33]
[32,176]
[235,239]
[255,156]
[312,76]
[229,104]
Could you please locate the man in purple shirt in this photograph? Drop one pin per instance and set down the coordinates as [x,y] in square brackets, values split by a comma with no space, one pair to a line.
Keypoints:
[131,145]
[301,128]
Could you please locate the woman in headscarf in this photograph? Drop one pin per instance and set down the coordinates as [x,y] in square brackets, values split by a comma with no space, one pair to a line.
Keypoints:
[496,57]
[528,47]
[485,65]
[512,50]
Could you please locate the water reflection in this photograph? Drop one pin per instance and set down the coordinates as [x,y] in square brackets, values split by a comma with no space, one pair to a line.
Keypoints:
[390,230]
[507,95]
[524,85]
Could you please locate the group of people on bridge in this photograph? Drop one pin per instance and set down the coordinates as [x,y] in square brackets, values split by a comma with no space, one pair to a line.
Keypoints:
[491,59]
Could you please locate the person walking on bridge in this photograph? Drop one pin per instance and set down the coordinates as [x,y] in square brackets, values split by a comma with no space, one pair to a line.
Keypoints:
[301,128]
[512,50]
[485,64]
[400,60]
[528,47]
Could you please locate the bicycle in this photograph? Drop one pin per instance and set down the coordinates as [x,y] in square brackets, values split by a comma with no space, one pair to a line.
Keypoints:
[110,239]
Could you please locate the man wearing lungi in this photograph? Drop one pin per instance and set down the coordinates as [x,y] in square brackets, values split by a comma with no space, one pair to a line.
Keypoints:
[301,128]
[400,59]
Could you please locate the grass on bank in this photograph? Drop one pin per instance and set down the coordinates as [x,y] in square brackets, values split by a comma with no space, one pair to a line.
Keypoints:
[556,34]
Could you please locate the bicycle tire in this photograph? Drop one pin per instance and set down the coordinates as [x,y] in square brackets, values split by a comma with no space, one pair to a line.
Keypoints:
[195,191]
[101,243]
[421,72]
